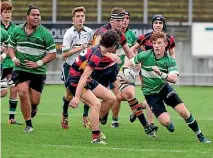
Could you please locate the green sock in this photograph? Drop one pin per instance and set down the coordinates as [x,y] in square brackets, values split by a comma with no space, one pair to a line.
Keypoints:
[12,107]
[192,123]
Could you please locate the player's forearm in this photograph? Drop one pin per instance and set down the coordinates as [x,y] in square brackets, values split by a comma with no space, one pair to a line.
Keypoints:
[48,58]
[135,48]
[81,85]
[172,78]
[128,51]
[11,53]
[72,51]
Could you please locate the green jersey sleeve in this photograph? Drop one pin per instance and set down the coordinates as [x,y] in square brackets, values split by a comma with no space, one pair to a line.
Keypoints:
[13,42]
[133,37]
[140,57]
[4,37]
[172,68]
[49,42]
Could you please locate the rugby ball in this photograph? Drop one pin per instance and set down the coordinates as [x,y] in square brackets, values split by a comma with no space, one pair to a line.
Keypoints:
[128,75]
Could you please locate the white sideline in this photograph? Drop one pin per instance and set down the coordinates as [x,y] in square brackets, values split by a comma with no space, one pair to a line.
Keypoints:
[128,149]
[121,116]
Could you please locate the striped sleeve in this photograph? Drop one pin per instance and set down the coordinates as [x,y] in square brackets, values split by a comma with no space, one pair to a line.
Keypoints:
[50,44]
[172,69]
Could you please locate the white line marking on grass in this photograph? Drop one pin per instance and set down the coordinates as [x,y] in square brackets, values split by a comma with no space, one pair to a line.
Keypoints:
[77,115]
[128,149]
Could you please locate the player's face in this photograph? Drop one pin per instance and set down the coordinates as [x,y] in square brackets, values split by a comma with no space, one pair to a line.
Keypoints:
[126,21]
[34,18]
[79,18]
[157,26]
[116,24]
[159,46]
[6,15]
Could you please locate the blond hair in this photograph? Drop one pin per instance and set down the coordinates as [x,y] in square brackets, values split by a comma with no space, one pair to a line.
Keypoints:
[78,9]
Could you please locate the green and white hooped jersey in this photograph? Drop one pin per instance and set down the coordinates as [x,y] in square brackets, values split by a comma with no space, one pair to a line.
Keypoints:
[7,62]
[153,83]
[73,39]
[32,47]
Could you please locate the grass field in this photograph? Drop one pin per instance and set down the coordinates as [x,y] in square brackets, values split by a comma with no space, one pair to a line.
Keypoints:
[129,140]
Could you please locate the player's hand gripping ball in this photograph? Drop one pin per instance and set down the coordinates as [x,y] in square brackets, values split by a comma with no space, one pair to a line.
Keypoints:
[127,75]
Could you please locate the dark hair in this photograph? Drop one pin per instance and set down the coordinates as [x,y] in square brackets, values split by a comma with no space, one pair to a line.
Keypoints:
[110,38]
[159,17]
[30,8]
[127,13]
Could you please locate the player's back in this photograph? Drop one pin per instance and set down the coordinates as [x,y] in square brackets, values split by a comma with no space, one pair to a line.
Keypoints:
[82,60]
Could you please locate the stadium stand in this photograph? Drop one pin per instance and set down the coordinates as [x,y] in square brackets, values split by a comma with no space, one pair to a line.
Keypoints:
[174,11]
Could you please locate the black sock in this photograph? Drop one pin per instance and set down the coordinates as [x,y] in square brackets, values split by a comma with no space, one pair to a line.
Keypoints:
[34,106]
[12,107]
[96,134]
[65,107]
[86,110]
[29,123]
[192,123]
[137,110]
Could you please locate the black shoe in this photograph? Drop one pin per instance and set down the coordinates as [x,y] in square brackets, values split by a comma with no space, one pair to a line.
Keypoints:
[34,112]
[203,139]
[103,120]
[150,130]
[132,118]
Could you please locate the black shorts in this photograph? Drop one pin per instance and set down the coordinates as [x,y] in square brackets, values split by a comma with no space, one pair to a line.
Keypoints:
[65,73]
[106,76]
[167,95]
[37,81]
[6,71]
[90,84]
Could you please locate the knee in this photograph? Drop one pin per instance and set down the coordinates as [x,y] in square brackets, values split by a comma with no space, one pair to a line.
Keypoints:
[164,119]
[128,95]
[23,93]
[144,105]
[165,122]
[118,97]
[111,100]
[96,106]
[68,96]
[35,101]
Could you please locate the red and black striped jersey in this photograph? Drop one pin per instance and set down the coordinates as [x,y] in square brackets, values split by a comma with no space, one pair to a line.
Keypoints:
[106,61]
[90,57]
[144,40]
